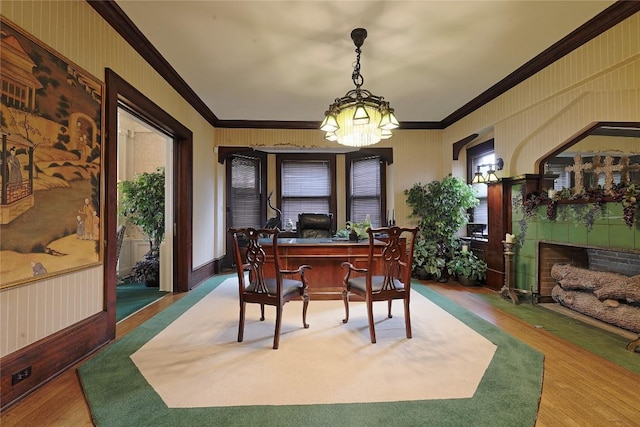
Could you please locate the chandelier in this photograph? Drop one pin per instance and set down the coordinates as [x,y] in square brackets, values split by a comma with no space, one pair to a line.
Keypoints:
[359,118]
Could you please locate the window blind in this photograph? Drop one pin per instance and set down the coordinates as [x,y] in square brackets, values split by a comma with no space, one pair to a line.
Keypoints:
[305,187]
[365,190]
[245,192]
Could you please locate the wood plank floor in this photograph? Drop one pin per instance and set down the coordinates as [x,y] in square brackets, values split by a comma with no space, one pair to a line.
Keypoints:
[579,389]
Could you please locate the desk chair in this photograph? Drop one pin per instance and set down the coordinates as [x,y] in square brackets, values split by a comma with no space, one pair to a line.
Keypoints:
[314,225]
[260,287]
[392,281]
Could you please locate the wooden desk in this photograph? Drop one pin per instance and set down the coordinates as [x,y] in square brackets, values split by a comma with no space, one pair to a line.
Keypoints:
[325,257]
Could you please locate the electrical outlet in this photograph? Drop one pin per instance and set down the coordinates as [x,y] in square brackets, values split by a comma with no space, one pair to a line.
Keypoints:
[21,375]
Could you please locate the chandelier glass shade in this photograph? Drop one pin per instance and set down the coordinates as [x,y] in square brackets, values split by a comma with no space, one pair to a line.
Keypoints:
[359,118]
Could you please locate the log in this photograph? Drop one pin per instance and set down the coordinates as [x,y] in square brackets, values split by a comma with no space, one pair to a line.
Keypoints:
[571,277]
[624,315]
[628,291]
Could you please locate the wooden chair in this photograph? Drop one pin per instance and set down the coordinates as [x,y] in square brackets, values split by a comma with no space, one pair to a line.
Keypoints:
[265,285]
[393,283]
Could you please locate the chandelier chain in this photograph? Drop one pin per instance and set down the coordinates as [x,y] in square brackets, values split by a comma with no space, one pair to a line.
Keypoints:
[357,78]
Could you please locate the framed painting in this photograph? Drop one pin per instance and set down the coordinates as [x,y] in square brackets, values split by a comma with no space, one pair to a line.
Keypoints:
[50,161]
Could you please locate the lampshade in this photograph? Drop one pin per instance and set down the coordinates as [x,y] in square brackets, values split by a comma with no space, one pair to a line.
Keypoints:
[359,118]
[478,178]
[491,176]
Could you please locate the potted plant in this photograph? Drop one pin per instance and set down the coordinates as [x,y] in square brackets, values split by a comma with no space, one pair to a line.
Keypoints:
[441,210]
[468,268]
[426,263]
[142,204]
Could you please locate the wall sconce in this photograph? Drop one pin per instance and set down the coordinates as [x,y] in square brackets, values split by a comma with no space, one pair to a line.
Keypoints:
[478,178]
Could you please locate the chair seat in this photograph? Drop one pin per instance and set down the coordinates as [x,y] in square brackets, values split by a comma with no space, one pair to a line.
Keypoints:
[360,283]
[289,286]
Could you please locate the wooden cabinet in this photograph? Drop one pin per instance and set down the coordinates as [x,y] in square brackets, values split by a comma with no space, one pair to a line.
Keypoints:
[499,207]
[499,214]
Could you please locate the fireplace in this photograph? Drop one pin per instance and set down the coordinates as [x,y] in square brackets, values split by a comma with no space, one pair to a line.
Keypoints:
[595,258]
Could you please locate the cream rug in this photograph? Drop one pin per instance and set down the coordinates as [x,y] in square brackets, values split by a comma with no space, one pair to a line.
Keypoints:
[197,362]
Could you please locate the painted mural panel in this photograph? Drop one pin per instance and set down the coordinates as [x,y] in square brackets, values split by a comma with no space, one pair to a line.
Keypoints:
[50,161]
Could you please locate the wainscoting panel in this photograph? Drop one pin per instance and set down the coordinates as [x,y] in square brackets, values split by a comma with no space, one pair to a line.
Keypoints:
[33,311]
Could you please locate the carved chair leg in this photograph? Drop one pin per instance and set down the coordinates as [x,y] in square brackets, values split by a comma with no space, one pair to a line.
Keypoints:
[241,322]
[261,312]
[389,315]
[407,318]
[276,335]
[372,329]
[305,305]
[345,299]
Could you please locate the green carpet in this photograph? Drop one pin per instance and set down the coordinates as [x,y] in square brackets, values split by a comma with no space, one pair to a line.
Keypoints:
[131,297]
[605,344]
[508,394]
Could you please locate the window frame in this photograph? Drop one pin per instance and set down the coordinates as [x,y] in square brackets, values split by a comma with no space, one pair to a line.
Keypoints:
[480,150]
[383,160]
[309,157]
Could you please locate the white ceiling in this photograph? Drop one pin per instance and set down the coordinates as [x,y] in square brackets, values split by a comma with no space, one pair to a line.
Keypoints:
[288,60]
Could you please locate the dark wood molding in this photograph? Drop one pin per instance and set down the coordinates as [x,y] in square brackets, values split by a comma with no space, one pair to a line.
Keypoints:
[458,146]
[51,356]
[613,15]
[121,93]
[386,154]
[204,272]
[224,152]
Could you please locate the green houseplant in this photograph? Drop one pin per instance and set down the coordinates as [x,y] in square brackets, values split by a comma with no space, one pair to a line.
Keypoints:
[468,268]
[440,208]
[142,204]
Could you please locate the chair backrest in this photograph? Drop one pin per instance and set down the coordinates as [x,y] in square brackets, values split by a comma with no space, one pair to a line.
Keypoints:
[314,225]
[250,257]
[397,254]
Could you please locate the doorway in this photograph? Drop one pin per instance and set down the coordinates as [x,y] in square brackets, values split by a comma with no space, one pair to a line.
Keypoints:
[144,148]
[120,94]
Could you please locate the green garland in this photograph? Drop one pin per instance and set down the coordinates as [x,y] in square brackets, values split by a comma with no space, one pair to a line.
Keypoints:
[626,194]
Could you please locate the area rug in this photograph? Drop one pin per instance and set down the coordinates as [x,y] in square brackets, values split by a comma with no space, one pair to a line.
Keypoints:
[185,367]
[133,296]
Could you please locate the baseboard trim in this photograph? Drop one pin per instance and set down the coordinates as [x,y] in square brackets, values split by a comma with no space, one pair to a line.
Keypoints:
[51,356]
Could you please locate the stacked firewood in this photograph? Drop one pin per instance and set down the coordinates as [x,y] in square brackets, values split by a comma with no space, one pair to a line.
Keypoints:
[610,297]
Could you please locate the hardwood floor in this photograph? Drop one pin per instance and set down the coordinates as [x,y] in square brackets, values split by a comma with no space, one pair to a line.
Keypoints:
[579,388]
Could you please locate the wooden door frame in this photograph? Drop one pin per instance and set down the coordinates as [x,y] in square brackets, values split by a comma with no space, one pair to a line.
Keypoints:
[118,91]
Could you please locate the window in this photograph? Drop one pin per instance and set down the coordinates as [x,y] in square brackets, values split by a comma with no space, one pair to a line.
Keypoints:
[245,184]
[366,189]
[307,184]
[481,154]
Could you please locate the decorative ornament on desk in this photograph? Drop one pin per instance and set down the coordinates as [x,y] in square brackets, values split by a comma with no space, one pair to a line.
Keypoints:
[288,224]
